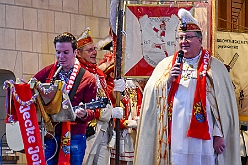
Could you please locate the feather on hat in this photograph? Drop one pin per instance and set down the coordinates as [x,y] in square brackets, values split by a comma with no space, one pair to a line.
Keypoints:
[188,22]
[105,43]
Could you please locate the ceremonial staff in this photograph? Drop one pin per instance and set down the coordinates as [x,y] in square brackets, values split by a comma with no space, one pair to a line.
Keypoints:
[118,75]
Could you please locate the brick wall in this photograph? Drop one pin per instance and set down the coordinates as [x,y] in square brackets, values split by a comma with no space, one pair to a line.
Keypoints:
[28,28]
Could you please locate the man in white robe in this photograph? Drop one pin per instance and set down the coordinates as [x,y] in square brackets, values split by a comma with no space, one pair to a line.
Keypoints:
[189,114]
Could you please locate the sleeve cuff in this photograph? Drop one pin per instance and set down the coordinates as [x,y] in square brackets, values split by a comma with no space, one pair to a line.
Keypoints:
[217,131]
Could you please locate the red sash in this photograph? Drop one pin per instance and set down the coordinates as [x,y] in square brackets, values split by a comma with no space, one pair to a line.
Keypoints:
[64,153]
[29,125]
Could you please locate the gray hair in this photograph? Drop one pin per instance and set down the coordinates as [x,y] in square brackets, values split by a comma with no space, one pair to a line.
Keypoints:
[198,34]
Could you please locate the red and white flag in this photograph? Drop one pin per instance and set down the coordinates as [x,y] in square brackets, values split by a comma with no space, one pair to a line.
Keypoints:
[151,32]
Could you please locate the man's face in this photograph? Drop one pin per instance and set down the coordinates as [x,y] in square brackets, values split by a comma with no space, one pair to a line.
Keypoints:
[64,54]
[88,53]
[189,43]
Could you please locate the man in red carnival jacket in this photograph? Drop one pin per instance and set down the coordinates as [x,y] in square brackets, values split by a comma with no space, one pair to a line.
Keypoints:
[97,151]
[65,45]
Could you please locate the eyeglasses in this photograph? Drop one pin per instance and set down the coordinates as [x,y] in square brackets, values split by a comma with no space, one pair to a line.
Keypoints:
[181,38]
[91,50]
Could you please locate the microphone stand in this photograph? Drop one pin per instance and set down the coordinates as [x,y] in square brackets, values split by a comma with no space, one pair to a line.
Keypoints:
[55,75]
[42,127]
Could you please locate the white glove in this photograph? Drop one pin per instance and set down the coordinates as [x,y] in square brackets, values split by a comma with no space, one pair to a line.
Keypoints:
[131,123]
[117,112]
[119,85]
[136,118]
[106,113]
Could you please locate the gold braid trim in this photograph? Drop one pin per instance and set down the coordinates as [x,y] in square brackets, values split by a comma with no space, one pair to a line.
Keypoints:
[212,98]
[163,147]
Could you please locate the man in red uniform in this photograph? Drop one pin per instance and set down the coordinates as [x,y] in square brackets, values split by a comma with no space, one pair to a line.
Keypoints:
[97,151]
[65,45]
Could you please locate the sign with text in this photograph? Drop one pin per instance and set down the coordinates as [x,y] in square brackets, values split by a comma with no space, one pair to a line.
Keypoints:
[29,125]
[231,50]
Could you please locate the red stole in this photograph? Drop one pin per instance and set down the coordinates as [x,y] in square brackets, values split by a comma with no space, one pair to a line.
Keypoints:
[199,124]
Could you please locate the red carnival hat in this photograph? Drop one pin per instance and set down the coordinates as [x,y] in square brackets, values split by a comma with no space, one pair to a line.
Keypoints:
[84,38]
[188,22]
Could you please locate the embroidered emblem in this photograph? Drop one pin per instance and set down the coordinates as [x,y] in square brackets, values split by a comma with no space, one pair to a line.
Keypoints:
[66,142]
[187,72]
[197,112]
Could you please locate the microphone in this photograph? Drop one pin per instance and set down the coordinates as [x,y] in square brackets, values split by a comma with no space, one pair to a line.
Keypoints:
[180,56]
[55,75]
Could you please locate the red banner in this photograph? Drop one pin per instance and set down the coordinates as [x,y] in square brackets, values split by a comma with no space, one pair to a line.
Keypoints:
[29,126]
